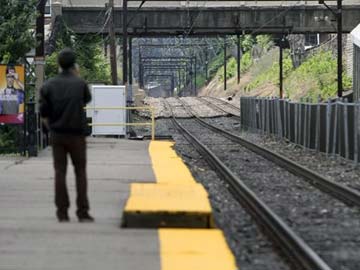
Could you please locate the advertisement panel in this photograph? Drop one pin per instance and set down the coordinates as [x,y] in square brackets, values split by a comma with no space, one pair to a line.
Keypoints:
[12,94]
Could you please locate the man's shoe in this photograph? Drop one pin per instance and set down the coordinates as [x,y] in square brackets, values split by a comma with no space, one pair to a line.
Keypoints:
[62,217]
[85,218]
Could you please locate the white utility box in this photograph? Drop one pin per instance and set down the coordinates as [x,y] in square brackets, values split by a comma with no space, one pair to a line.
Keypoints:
[105,96]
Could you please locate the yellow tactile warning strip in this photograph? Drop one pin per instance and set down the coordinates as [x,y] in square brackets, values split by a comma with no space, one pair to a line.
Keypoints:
[167,165]
[176,200]
[194,249]
[168,198]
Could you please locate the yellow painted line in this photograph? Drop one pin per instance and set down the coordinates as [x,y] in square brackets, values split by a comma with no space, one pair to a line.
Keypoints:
[194,249]
[145,198]
[167,165]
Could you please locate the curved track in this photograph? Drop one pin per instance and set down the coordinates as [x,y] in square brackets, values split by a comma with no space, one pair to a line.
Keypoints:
[233,107]
[290,243]
[217,107]
[339,191]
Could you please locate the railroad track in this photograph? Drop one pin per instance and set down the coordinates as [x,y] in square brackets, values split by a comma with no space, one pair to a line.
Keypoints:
[226,104]
[290,243]
[339,191]
[238,188]
[217,107]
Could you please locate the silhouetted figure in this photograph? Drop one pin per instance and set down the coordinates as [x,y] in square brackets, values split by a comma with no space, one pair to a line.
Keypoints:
[62,101]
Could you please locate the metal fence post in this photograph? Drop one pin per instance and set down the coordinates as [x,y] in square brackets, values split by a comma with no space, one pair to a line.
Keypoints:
[306,116]
[31,125]
[317,129]
[335,128]
[280,128]
[268,116]
[346,129]
[309,125]
[356,128]
[328,123]
[289,118]
[263,115]
[296,108]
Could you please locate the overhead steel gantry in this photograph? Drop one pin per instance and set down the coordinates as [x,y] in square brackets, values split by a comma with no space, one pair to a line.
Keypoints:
[168,76]
[189,21]
[186,63]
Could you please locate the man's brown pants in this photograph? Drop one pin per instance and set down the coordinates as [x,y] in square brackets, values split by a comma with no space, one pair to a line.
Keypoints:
[75,146]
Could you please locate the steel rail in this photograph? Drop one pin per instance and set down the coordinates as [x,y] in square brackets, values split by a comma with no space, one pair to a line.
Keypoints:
[217,107]
[290,243]
[225,103]
[339,191]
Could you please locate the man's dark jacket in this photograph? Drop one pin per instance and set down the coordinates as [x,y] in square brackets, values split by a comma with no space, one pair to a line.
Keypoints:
[62,101]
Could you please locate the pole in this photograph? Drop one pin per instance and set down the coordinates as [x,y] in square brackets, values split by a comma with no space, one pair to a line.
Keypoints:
[130,61]
[206,65]
[281,67]
[39,62]
[339,45]
[225,64]
[195,87]
[179,80]
[125,41]
[105,46]
[40,31]
[112,42]
[191,76]
[238,58]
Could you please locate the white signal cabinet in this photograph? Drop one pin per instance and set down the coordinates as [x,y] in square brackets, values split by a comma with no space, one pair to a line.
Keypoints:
[105,96]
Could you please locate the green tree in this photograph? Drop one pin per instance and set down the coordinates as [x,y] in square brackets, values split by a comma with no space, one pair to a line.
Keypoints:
[17,37]
[16,29]
[94,66]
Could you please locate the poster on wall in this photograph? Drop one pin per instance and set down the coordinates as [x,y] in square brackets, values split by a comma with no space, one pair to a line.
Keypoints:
[12,94]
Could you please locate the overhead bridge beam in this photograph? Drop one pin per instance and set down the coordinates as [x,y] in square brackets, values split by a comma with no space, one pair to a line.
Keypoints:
[195,21]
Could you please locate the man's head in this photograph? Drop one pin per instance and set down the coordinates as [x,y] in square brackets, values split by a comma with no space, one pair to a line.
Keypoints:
[10,69]
[10,78]
[66,59]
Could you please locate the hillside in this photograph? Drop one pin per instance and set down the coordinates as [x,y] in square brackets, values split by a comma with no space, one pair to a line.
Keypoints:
[314,78]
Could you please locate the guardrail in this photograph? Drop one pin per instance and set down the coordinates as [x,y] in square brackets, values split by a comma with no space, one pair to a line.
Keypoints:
[332,127]
[150,109]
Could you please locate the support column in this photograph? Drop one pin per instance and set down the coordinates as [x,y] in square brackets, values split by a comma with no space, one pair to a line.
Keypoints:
[113,64]
[339,45]
[206,65]
[225,83]
[238,57]
[39,62]
[195,81]
[130,94]
[191,76]
[281,67]
[125,43]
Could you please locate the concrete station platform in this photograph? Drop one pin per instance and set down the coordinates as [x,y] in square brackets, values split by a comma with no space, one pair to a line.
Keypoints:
[127,179]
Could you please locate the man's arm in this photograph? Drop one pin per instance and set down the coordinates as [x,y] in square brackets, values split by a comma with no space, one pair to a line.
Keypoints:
[44,103]
[87,94]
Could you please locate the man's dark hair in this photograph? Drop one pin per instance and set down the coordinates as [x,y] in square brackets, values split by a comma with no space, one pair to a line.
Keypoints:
[66,59]
[10,67]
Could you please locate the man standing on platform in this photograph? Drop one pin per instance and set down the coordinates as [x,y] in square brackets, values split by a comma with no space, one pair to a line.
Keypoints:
[62,102]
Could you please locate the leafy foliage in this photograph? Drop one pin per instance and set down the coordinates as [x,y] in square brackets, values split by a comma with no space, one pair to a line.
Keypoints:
[16,29]
[231,66]
[315,78]
[272,74]
[94,67]
[318,73]
[17,38]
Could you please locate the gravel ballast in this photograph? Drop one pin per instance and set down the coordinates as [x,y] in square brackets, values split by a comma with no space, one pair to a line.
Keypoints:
[326,224]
